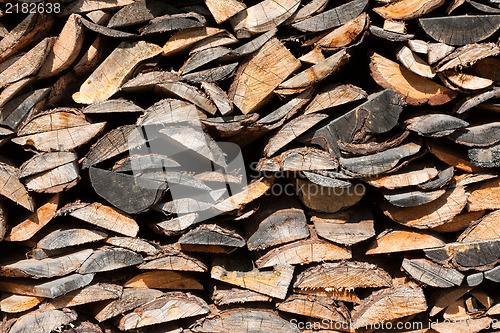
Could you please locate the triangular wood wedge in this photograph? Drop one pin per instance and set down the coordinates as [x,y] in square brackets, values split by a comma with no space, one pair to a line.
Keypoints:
[43,321]
[483,229]
[485,195]
[227,295]
[12,188]
[109,259]
[315,306]
[407,9]
[432,274]
[435,125]
[12,303]
[67,237]
[343,275]
[93,293]
[334,95]
[222,10]
[164,280]
[299,159]
[412,88]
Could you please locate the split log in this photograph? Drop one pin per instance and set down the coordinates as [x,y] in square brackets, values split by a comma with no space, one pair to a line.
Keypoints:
[16,111]
[109,259]
[414,63]
[84,6]
[407,176]
[12,188]
[133,244]
[452,156]
[478,136]
[299,159]
[211,238]
[245,320]
[102,216]
[346,227]
[272,63]
[412,88]
[435,125]
[224,10]
[483,229]
[460,30]
[488,157]
[345,34]
[460,222]
[139,12]
[408,198]
[227,296]
[93,293]
[56,180]
[273,283]
[432,214]
[334,95]
[183,39]
[343,275]
[12,303]
[481,255]
[388,304]
[391,241]
[444,297]
[98,87]
[171,258]
[46,268]
[169,307]
[189,93]
[484,196]
[408,9]
[343,295]
[67,237]
[316,307]
[130,299]
[432,274]
[112,106]
[164,280]
[50,289]
[43,321]
[29,227]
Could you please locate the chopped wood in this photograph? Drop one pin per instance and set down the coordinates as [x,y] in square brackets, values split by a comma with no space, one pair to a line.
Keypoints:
[64,238]
[452,156]
[391,241]
[256,80]
[413,88]
[406,176]
[343,275]
[42,321]
[236,295]
[93,293]
[12,303]
[164,280]
[460,222]
[315,306]
[414,63]
[224,10]
[484,196]
[186,38]
[112,106]
[432,274]
[334,95]
[138,12]
[299,159]
[171,258]
[211,238]
[483,229]
[109,259]
[345,34]
[407,9]
[435,125]
[133,244]
[273,283]
[467,55]
[12,188]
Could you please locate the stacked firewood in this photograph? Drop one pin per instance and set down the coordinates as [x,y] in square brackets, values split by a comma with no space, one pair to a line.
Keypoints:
[258,166]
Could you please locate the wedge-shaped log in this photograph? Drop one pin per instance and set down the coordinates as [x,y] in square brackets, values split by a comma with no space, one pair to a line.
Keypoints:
[483,229]
[346,227]
[12,188]
[388,304]
[12,303]
[407,176]
[478,136]
[67,237]
[451,155]
[169,307]
[130,299]
[482,255]
[380,114]
[245,320]
[112,106]
[189,93]
[42,321]
[488,157]
[102,216]
[18,109]
[139,12]
[29,227]
[303,252]
[133,243]
[432,274]
[345,34]
[49,289]
[460,30]
[262,17]
[141,193]
[56,180]
[484,195]
[164,280]
[84,6]
[390,241]
[303,80]
[274,283]
[332,18]
[186,38]
[227,296]
[299,159]
[316,307]
[211,238]
[256,79]
[172,259]
[46,268]
[109,76]
[93,293]
[435,125]
[222,10]
[460,222]
[45,162]
[412,198]
[109,259]
[66,48]
[407,9]
[334,95]
[412,88]
[431,214]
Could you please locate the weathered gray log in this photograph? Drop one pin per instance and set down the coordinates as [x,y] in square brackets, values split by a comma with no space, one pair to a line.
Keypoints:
[432,274]
[109,259]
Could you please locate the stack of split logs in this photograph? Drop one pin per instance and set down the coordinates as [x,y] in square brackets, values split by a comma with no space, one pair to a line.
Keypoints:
[260,166]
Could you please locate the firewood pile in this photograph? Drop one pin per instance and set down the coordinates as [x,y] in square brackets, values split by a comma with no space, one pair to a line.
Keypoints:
[259,166]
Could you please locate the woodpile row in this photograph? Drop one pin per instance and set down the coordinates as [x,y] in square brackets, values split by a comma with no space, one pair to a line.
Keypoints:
[259,166]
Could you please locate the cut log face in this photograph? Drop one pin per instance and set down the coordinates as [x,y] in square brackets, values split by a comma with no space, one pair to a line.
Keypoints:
[247,92]
[435,125]
[303,252]
[112,106]
[412,88]
[316,307]
[64,238]
[211,237]
[171,258]
[101,84]
[42,321]
[388,304]
[483,229]
[343,275]
[273,283]
[346,34]
[460,222]
[138,12]
[133,244]
[109,259]
[130,299]
[94,293]
[164,280]
[391,241]
[485,196]
[223,10]
[407,9]
[102,216]
[56,180]
[262,17]
[12,303]
[186,38]
[452,156]
[488,157]
[414,63]
[406,176]
[432,274]
[45,162]
[227,296]
[169,307]
[460,30]
[12,188]
[245,320]
[431,214]
[46,268]
[345,227]
[335,95]
[332,18]
[478,136]
[299,159]
[343,295]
